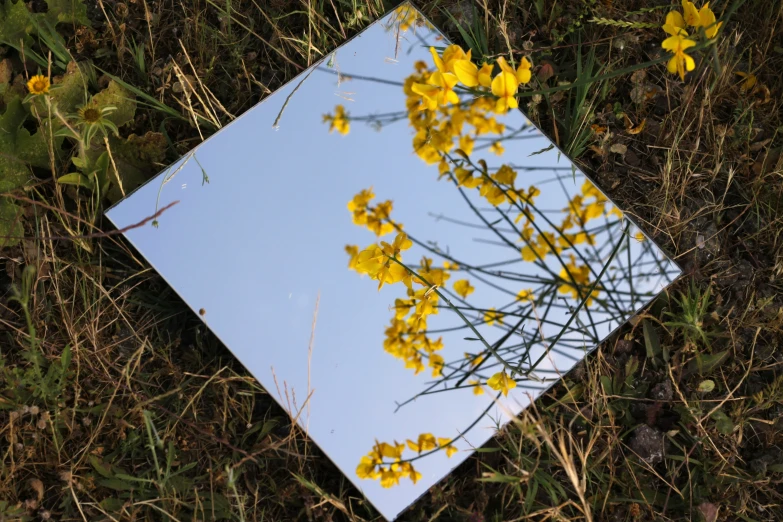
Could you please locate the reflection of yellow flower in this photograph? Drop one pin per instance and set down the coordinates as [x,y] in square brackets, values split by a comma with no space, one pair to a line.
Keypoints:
[339,121]
[389,477]
[367,469]
[475,360]
[477,389]
[497,148]
[353,251]
[680,62]
[463,288]
[436,363]
[426,442]
[525,295]
[445,443]
[490,316]
[38,84]
[502,382]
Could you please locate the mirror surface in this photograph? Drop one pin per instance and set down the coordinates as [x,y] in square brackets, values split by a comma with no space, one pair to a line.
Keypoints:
[517,265]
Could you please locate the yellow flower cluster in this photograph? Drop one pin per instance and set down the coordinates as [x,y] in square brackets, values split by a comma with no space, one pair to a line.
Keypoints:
[407,16]
[679,40]
[385,462]
[376,219]
[580,274]
[502,382]
[405,337]
[338,121]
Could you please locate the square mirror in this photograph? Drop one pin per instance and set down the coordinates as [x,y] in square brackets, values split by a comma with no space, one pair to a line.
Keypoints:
[396,253]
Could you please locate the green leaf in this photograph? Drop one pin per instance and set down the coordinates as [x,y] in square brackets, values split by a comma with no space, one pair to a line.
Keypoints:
[121,98]
[100,466]
[77,179]
[10,223]
[651,341]
[723,423]
[67,11]
[704,364]
[706,386]
[116,484]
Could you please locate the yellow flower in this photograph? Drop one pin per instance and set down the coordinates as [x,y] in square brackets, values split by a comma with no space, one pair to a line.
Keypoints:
[445,443]
[389,477]
[389,451]
[475,360]
[523,71]
[367,469]
[639,236]
[675,24]
[680,62]
[502,382]
[497,148]
[525,295]
[485,75]
[406,470]
[490,316]
[451,55]
[353,251]
[463,288]
[339,121]
[439,90]
[467,72]
[436,363]
[690,14]
[748,83]
[477,389]
[505,175]
[448,265]
[38,84]
[426,442]
[466,143]
[465,178]
[708,21]
[401,242]
[504,86]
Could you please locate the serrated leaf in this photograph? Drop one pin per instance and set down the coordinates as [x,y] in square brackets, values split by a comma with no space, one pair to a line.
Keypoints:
[118,96]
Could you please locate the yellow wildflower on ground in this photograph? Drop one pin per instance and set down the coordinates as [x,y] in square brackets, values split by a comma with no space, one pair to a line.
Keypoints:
[675,24]
[463,288]
[504,86]
[502,382]
[680,62]
[708,21]
[38,84]
[690,14]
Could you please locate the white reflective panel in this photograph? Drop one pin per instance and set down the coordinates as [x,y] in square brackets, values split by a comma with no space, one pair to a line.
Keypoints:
[256,245]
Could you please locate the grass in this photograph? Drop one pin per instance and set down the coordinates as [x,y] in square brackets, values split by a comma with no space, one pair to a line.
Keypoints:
[116,404]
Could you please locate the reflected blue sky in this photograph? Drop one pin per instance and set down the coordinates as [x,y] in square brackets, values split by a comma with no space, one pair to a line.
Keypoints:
[258,244]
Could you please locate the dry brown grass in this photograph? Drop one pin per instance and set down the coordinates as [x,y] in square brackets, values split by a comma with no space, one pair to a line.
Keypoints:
[153,418]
